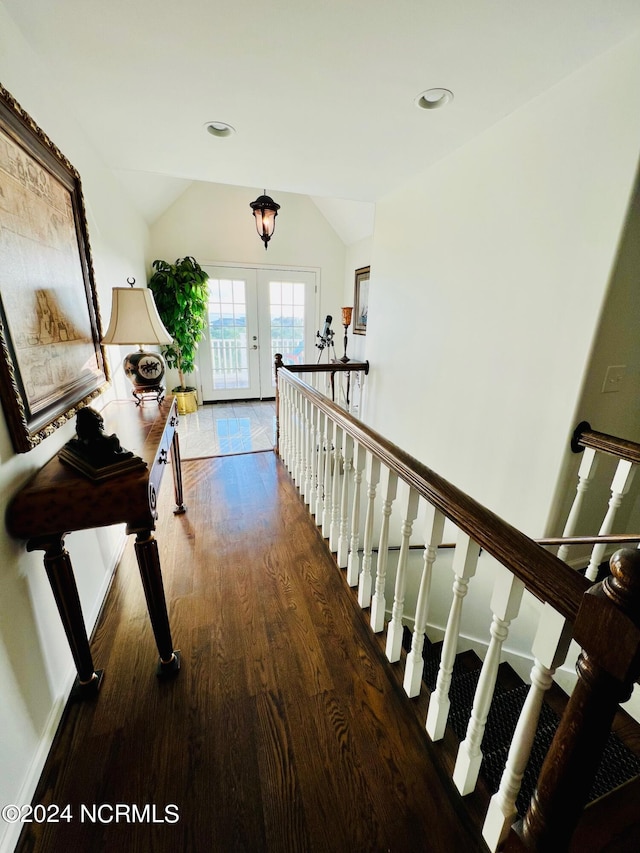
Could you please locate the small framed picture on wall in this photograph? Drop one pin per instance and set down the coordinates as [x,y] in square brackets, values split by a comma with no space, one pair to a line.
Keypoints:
[361,301]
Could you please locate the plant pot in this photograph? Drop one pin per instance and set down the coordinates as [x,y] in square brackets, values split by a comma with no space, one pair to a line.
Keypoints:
[186,399]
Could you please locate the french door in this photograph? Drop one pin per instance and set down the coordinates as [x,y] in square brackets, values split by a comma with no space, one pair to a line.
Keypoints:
[253,314]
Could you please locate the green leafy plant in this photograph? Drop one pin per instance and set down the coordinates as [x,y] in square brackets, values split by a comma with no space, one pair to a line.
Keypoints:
[181,294]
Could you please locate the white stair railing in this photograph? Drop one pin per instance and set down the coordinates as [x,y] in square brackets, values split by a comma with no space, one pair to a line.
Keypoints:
[342,555]
[620,485]
[586,473]
[434,528]
[353,559]
[327,504]
[342,466]
[593,445]
[323,445]
[395,628]
[464,566]
[549,650]
[505,604]
[388,491]
[336,487]
[373,478]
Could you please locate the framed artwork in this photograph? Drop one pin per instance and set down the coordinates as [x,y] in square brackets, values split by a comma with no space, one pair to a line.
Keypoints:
[361,301]
[51,360]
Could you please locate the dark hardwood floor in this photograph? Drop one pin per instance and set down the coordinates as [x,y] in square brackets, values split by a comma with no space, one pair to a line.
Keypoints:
[286,729]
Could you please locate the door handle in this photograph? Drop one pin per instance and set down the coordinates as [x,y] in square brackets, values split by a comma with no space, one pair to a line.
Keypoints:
[255,346]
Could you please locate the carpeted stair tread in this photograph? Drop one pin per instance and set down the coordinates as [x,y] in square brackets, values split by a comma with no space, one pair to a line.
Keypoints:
[619,763]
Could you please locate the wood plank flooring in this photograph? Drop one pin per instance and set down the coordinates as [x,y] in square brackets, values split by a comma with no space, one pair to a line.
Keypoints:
[285,730]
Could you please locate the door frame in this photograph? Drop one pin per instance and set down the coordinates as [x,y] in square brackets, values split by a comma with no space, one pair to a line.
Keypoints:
[268,268]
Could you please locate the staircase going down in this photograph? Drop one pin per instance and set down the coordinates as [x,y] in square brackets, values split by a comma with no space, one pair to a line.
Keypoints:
[620,762]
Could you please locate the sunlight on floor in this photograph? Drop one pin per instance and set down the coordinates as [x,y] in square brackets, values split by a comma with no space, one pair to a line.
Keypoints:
[218,429]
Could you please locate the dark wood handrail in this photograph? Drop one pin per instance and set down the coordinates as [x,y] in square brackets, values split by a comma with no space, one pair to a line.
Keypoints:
[333,367]
[545,576]
[604,539]
[584,436]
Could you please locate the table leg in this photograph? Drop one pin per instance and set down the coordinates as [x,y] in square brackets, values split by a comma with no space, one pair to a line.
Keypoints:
[149,564]
[59,570]
[177,475]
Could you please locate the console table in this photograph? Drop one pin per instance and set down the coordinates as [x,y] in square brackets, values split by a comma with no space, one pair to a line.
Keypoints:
[58,500]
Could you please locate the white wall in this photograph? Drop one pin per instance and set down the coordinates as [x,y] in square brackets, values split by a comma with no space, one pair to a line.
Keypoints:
[489,273]
[36,668]
[503,282]
[616,342]
[214,223]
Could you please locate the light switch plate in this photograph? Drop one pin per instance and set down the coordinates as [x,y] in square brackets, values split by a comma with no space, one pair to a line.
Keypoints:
[614,378]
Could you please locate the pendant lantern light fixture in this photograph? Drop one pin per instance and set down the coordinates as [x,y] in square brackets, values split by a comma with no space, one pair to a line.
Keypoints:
[265,210]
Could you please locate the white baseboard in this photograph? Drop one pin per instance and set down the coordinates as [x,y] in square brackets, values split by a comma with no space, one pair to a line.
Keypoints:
[30,783]
[28,788]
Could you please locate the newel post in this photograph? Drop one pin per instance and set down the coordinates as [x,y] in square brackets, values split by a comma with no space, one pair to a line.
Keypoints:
[278,363]
[608,630]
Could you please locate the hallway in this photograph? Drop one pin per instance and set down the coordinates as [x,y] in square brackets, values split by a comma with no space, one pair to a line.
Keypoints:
[285,729]
[220,429]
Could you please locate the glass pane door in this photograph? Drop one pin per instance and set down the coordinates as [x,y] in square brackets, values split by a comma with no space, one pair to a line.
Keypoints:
[253,314]
[228,355]
[289,300]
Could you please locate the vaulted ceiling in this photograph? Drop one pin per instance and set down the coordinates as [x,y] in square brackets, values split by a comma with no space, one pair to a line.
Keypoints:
[321,94]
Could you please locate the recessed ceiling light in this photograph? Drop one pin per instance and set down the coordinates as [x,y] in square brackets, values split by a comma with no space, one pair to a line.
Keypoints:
[220,129]
[433,99]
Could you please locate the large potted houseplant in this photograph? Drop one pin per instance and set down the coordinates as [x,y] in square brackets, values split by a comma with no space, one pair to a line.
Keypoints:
[181,295]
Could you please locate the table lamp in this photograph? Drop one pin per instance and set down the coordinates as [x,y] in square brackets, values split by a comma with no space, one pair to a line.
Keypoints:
[135,320]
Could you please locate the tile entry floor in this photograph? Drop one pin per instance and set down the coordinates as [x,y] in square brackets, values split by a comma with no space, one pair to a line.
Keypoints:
[220,429]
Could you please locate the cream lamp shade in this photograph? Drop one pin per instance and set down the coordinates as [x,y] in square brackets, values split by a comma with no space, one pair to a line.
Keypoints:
[135,320]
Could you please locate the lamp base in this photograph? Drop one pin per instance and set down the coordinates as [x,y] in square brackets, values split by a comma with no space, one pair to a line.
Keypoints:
[141,394]
[145,370]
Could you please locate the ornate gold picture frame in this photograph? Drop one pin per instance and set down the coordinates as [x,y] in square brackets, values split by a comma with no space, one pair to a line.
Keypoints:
[51,360]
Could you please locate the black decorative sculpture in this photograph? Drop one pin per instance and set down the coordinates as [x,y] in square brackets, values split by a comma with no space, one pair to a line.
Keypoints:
[95,453]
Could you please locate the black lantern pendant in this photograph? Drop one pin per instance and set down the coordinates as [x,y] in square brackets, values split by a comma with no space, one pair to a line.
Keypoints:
[265,211]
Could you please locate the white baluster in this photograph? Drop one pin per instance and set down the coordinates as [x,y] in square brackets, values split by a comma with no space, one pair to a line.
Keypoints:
[619,487]
[313,458]
[291,429]
[323,420]
[373,478]
[300,437]
[306,450]
[361,401]
[388,491]
[297,451]
[288,427]
[282,420]
[334,529]
[354,406]
[342,555]
[330,429]
[394,630]
[353,561]
[505,603]
[434,528]
[586,471]
[464,565]
[549,650]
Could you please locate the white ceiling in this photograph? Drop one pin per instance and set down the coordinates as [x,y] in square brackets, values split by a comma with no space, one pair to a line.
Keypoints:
[321,93]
